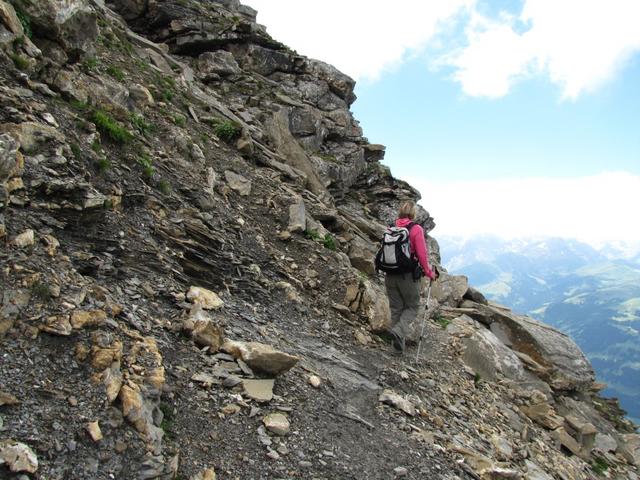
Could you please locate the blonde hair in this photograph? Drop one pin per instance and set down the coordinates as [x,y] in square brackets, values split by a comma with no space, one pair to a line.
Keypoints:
[407,210]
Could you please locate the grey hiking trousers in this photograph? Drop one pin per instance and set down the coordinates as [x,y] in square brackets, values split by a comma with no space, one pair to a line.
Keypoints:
[404,301]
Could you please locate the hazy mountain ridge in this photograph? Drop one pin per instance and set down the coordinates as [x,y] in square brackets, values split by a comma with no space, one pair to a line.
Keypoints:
[593,295]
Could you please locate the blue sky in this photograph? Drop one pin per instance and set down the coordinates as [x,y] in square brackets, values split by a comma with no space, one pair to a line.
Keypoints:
[524,112]
[435,131]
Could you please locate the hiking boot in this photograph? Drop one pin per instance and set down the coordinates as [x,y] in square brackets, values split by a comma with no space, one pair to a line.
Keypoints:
[398,342]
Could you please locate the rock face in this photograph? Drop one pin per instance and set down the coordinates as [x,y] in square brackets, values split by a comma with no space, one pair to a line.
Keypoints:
[485,353]
[189,212]
[569,368]
[72,23]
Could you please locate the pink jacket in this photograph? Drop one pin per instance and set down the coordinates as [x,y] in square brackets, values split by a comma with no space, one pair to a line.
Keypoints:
[418,245]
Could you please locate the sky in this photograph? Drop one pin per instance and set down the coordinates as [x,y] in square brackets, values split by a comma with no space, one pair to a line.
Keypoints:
[513,118]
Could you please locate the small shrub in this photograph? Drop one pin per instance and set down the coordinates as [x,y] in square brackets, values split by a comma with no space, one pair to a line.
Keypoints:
[477,379]
[103,165]
[96,146]
[107,125]
[147,165]
[26,23]
[20,62]
[180,120]
[167,95]
[140,124]
[312,235]
[600,466]
[168,420]
[78,105]
[89,65]
[164,187]
[75,149]
[115,72]
[329,242]
[442,321]
[41,291]
[227,131]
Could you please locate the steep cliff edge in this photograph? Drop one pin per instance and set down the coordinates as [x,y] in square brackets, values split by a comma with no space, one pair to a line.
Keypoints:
[188,211]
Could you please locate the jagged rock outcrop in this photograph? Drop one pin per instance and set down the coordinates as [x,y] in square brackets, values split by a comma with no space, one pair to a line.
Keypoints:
[188,211]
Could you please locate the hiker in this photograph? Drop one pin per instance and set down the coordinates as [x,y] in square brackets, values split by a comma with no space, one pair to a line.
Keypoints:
[403,287]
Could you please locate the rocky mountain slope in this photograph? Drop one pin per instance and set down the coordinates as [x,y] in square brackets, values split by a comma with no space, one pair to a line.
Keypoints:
[188,213]
[593,296]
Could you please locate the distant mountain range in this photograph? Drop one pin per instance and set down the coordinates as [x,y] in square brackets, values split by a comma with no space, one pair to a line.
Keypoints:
[593,295]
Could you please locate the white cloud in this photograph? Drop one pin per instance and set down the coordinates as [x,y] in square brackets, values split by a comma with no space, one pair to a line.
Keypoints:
[360,37]
[593,209]
[579,44]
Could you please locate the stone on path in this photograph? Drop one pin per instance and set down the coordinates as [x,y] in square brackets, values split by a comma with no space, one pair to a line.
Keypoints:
[261,357]
[18,457]
[207,474]
[94,431]
[297,216]
[238,183]
[277,423]
[314,381]
[259,390]
[8,399]
[25,239]
[391,398]
[205,298]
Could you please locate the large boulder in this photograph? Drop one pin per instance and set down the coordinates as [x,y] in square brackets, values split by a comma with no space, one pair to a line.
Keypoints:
[484,353]
[10,26]
[261,357]
[370,300]
[339,83]
[290,151]
[71,23]
[220,63]
[10,158]
[131,9]
[361,254]
[564,365]
[449,289]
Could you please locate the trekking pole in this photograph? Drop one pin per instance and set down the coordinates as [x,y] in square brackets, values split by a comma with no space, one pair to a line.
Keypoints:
[424,320]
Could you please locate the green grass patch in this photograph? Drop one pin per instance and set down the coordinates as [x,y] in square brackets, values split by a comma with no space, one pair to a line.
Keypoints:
[96,146]
[312,235]
[41,291]
[164,187]
[80,106]
[103,165]
[440,320]
[167,94]
[180,120]
[168,420]
[19,61]
[227,131]
[140,124]
[329,242]
[89,65]
[25,21]
[147,165]
[75,149]
[600,466]
[116,73]
[110,127]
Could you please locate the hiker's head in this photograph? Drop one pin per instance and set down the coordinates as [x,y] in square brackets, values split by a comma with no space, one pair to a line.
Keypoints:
[407,210]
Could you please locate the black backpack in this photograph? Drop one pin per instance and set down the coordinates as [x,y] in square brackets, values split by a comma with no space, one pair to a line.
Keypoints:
[394,255]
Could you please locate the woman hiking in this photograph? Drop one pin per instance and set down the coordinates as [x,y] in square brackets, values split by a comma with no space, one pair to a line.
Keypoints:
[403,289]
